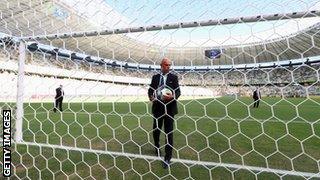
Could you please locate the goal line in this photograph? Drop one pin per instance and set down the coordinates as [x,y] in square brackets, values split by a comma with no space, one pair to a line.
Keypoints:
[184,161]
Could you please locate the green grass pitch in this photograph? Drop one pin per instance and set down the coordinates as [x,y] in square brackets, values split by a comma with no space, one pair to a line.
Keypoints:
[281,134]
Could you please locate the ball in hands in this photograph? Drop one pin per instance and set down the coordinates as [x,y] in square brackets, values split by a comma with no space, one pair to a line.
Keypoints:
[165,92]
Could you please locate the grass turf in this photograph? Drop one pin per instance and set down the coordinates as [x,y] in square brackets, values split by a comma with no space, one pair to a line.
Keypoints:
[281,134]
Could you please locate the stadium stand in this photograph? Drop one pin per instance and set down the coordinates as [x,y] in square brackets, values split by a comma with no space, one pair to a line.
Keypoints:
[278,81]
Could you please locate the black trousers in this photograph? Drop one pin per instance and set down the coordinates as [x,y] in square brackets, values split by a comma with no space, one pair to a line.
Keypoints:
[58,104]
[167,121]
[256,103]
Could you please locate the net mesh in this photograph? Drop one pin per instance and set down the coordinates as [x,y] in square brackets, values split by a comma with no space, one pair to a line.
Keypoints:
[105,53]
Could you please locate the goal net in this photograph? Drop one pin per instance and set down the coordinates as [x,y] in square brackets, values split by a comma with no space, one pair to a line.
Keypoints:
[248,73]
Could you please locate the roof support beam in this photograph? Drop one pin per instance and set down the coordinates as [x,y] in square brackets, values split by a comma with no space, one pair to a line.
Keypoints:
[179,25]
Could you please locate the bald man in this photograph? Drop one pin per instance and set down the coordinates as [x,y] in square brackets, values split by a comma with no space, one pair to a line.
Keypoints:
[164,107]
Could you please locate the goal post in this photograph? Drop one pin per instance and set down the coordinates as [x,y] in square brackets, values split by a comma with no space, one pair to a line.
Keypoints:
[20,91]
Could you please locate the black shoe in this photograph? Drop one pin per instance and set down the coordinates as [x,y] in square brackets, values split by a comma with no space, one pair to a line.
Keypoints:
[165,164]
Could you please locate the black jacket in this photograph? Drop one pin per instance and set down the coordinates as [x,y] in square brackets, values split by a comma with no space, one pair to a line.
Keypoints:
[158,107]
[256,95]
[59,93]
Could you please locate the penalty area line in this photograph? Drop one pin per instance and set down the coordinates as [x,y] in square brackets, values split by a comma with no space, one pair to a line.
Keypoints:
[195,117]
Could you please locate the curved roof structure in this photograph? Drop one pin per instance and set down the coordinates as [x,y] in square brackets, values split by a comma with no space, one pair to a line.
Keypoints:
[21,18]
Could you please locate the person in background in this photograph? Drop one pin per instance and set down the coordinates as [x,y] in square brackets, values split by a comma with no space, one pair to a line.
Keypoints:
[256,97]
[58,99]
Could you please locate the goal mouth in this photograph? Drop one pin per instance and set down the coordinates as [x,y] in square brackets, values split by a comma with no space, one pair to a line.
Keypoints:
[80,78]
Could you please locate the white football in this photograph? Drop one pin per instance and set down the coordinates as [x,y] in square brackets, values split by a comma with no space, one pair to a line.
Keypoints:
[166,91]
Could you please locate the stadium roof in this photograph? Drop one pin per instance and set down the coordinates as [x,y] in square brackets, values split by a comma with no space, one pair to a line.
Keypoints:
[21,18]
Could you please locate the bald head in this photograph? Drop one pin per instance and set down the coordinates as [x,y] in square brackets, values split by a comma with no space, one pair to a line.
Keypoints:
[165,65]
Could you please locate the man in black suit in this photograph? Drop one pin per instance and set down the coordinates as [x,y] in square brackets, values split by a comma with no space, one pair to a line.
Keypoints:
[256,97]
[58,99]
[164,107]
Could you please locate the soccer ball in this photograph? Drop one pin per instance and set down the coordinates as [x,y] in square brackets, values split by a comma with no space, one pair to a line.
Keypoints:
[161,92]
[165,91]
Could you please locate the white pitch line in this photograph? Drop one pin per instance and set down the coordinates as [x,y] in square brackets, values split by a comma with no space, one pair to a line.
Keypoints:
[195,117]
[184,161]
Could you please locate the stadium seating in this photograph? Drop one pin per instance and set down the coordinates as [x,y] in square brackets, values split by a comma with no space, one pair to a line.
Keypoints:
[278,81]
